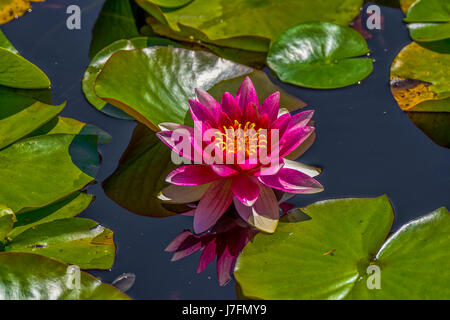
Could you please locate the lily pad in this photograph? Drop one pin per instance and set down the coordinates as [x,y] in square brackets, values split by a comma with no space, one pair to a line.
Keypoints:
[17,72]
[65,208]
[77,241]
[7,218]
[116,21]
[221,22]
[320,55]
[154,84]
[420,84]
[334,254]
[98,62]
[429,20]
[30,164]
[26,276]
[171,3]
[21,115]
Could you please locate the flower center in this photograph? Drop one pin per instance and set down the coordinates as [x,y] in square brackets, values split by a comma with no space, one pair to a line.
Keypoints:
[241,139]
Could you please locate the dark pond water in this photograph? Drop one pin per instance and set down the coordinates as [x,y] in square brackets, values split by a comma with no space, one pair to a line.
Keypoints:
[366,145]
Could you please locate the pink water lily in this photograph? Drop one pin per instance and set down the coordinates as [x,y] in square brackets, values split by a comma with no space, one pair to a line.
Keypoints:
[243,130]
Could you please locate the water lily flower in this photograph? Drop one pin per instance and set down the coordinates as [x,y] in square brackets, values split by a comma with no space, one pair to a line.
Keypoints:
[255,140]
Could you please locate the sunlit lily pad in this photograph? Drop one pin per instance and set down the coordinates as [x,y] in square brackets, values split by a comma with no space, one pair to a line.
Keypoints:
[97,63]
[13,9]
[336,254]
[65,208]
[77,241]
[50,164]
[154,84]
[421,86]
[48,280]
[429,20]
[320,55]
[222,22]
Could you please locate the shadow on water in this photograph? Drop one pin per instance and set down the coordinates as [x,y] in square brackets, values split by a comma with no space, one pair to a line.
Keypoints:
[366,145]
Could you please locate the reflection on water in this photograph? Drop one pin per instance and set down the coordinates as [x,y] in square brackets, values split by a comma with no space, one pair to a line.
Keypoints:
[366,145]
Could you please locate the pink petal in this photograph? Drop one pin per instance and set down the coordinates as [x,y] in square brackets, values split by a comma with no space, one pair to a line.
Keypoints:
[300,119]
[208,255]
[231,107]
[281,124]
[192,175]
[270,106]
[224,170]
[213,205]
[208,101]
[250,114]
[176,243]
[292,181]
[225,262]
[246,189]
[270,169]
[301,149]
[188,247]
[293,138]
[264,214]
[247,94]
[200,113]
[181,141]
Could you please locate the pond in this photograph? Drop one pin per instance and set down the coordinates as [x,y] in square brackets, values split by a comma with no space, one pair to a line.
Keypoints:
[366,145]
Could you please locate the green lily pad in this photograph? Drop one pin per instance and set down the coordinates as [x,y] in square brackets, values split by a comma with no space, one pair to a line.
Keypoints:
[154,84]
[320,55]
[420,84]
[65,208]
[17,72]
[335,254]
[21,115]
[141,176]
[222,23]
[429,20]
[49,164]
[97,63]
[7,218]
[116,21]
[77,241]
[48,279]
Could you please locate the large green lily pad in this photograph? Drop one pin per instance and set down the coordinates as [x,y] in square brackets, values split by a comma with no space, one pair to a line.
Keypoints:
[46,168]
[429,20]
[334,255]
[65,208]
[154,84]
[99,60]
[223,23]
[320,55]
[77,241]
[26,276]
[420,84]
